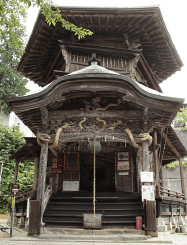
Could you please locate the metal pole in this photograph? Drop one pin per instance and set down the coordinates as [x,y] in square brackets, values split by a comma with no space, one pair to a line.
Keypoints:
[12,216]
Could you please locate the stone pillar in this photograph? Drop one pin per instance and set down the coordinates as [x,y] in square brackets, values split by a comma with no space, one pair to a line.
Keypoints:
[42,173]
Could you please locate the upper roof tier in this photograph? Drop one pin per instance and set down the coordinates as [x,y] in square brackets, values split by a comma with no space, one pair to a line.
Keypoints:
[145,23]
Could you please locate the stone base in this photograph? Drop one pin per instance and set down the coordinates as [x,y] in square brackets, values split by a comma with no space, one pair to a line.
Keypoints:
[161,227]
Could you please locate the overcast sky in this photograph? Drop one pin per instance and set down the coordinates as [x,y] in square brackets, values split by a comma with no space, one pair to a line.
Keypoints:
[175,17]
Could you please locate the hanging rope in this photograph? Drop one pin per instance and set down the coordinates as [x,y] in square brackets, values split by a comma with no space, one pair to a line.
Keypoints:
[94,181]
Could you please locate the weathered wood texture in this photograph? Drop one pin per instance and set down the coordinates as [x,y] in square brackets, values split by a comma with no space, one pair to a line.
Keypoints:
[155,155]
[42,171]
[36,171]
[145,156]
[182,176]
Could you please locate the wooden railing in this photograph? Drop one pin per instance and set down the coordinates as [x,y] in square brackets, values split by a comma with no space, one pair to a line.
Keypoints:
[169,193]
[23,195]
[47,196]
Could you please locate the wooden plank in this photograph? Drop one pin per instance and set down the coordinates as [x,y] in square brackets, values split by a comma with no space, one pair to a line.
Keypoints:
[36,170]
[155,155]
[182,176]
[42,172]
[145,156]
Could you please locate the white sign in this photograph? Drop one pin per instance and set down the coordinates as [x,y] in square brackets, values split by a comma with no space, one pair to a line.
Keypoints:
[148,192]
[70,185]
[123,173]
[146,176]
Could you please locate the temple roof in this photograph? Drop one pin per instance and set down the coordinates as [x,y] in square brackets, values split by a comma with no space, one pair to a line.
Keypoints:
[95,71]
[146,23]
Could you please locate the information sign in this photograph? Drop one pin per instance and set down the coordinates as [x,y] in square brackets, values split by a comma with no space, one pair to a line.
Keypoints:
[15,189]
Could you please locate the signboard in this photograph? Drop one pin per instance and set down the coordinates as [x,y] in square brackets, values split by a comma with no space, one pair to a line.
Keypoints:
[70,185]
[71,161]
[15,189]
[123,173]
[146,176]
[123,165]
[123,156]
[57,165]
[148,192]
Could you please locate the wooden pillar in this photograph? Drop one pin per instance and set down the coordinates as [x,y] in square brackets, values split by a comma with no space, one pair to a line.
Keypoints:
[155,152]
[138,169]
[182,176]
[55,178]
[16,171]
[36,170]
[42,172]
[145,156]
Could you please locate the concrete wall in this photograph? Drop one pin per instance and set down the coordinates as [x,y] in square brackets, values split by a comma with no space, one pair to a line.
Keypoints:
[172,181]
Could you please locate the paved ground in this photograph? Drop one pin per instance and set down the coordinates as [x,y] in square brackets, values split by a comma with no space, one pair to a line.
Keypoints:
[51,236]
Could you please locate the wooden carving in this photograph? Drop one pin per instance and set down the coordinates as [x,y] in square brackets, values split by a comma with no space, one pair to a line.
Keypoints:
[44,117]
[131,43]
[94,105]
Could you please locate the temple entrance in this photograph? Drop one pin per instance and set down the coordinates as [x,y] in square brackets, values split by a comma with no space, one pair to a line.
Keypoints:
[105,173]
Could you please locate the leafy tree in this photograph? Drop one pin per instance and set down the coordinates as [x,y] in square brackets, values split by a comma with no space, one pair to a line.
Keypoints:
[182,118]
[173,165]
[12,84]
[11,139]
[13,13]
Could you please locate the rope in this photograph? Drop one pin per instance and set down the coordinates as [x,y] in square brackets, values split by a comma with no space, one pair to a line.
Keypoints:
[94,181]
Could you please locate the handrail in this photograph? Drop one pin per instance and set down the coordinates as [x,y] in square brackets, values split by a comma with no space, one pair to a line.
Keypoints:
[47,196]
[170,193]
[24,195]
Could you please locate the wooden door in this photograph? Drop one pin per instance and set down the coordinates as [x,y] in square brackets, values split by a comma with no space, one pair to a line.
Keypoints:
[124,172]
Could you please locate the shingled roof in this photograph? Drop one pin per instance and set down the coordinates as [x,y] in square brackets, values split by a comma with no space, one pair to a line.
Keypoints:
[146,23]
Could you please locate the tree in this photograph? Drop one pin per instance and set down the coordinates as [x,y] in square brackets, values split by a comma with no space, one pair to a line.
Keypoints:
[12,84]
[13,13]
[181,118]
[11,139]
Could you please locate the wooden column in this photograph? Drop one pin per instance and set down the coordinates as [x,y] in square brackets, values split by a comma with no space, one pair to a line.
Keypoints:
[16,171]
[138,169]
[55,178]
[145,156]
[36,170]
[42,172]
[182,176]
[155,152]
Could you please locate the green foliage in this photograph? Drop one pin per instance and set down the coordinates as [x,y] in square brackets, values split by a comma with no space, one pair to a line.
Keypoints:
[11,139]
[12,84]
[173,165]
[13,13]
[182,118]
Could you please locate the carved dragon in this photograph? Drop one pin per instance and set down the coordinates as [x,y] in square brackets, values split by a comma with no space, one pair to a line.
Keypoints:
[112,127]
[44,137]
[81,122]
[94,105]
[142,136]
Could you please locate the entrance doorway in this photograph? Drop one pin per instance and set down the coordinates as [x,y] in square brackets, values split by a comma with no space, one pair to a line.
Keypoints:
[105,173]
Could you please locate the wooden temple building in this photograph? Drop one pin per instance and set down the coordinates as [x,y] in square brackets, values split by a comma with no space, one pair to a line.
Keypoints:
[102,123]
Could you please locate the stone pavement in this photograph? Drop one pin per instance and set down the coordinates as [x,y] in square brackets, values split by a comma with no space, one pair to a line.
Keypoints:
[86,237]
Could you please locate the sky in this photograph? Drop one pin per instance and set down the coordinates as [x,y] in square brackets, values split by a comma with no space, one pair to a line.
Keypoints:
[175,17]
